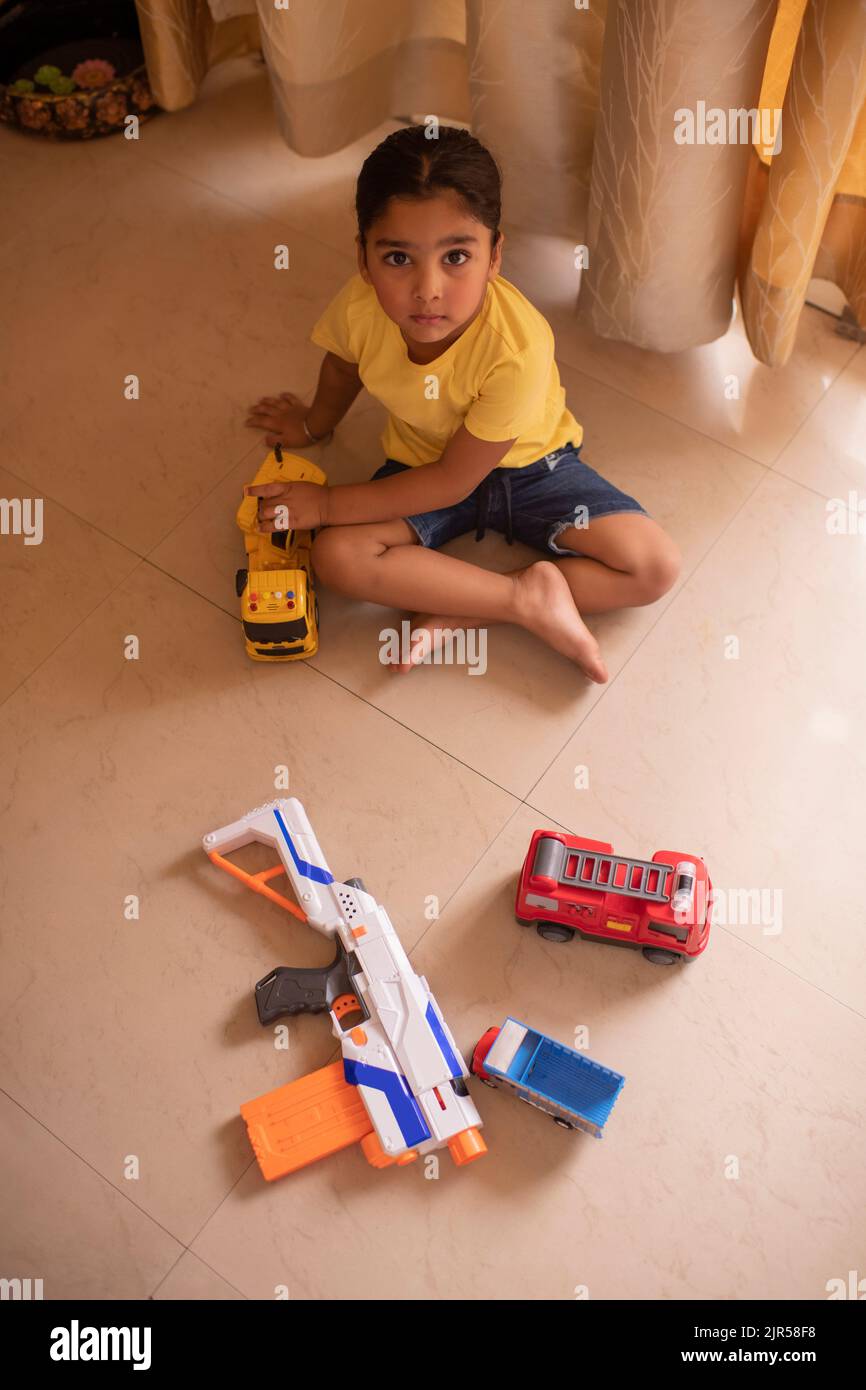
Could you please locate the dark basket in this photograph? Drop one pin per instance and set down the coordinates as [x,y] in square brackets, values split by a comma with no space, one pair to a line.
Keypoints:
[77,31]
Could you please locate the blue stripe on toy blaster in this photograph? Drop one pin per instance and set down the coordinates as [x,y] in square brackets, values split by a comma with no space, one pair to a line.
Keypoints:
[311,871]
[404,1106]
[435,1022]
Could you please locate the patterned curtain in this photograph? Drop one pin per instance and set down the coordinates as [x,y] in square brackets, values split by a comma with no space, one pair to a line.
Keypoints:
[638,128]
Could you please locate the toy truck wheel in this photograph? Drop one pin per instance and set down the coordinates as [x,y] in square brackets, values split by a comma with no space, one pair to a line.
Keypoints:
[525,921]
[551,931]
[240,582]
[563,1124]
[479,1052]
[657,955]
[485,1080]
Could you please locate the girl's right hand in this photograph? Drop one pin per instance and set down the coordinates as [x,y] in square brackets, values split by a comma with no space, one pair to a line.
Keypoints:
[282,416]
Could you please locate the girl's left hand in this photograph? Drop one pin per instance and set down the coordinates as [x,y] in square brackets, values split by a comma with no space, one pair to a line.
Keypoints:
[290,506]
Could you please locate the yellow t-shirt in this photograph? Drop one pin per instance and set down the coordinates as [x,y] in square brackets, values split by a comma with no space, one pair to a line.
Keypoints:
[499,378]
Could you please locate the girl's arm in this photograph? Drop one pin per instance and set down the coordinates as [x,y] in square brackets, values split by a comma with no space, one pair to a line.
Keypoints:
[339,384]
[448,480]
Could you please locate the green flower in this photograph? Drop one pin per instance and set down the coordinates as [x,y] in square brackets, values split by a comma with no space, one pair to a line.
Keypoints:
[46,74]
[23,85]
[60,86]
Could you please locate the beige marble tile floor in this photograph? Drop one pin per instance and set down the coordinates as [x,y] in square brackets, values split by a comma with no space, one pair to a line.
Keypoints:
[732,727]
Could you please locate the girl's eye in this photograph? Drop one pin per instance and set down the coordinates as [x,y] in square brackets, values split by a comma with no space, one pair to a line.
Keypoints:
[456,252]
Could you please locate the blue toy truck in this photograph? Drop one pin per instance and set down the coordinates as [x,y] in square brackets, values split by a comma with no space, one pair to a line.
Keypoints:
[578,1092]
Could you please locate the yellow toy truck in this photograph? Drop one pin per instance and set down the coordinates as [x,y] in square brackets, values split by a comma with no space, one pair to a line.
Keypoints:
[279,609]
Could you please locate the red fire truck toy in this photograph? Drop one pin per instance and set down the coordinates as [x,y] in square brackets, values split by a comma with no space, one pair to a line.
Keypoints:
[662,906]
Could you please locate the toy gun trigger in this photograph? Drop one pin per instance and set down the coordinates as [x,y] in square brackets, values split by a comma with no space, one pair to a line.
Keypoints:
[293,990]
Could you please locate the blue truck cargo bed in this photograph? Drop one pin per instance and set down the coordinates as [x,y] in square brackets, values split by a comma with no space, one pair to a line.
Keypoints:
[573,1085]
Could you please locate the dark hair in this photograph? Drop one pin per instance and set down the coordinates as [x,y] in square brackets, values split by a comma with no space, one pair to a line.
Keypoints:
[408,164]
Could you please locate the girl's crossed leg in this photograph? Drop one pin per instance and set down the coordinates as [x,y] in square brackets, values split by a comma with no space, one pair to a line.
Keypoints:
[624,560]
[379,562]
[633,562]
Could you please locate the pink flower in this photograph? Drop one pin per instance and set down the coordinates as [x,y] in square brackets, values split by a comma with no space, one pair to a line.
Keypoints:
[93,72]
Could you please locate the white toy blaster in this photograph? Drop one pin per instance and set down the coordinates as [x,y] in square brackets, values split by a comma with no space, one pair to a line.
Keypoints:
[400,1090]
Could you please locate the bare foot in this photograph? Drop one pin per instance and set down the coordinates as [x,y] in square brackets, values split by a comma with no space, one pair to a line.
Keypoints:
[546,607]
[427,635]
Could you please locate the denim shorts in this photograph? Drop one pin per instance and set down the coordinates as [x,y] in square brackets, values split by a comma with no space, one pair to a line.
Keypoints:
[531,504]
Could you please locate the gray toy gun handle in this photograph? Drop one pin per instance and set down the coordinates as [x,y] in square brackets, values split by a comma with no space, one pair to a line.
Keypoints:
[291,989]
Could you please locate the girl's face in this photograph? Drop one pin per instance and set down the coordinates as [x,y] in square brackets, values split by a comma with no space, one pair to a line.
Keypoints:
[429,263]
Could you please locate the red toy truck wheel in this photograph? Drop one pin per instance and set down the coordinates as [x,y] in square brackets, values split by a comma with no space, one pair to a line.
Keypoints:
[659,956]
[549,931]
[482,1047]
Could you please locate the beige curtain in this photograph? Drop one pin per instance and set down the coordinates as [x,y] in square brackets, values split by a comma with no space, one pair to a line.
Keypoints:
[579,106]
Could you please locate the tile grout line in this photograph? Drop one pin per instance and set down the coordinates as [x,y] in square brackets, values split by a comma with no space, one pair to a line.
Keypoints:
[72,631]
[522,801]
[172,578]
[187,1251]
[743,941]
[146,558]
[123,545]
[656,410]
[269,217]
[185,1248]
[769,471]
[196,593]
[276,221]
[452,895]
[87,1163]
[651,629]
[94,526]
[207,1220]
[452,757]
[770,960]
[281,221]
[199,503]
[64,507]
[806,418]
[142,153]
